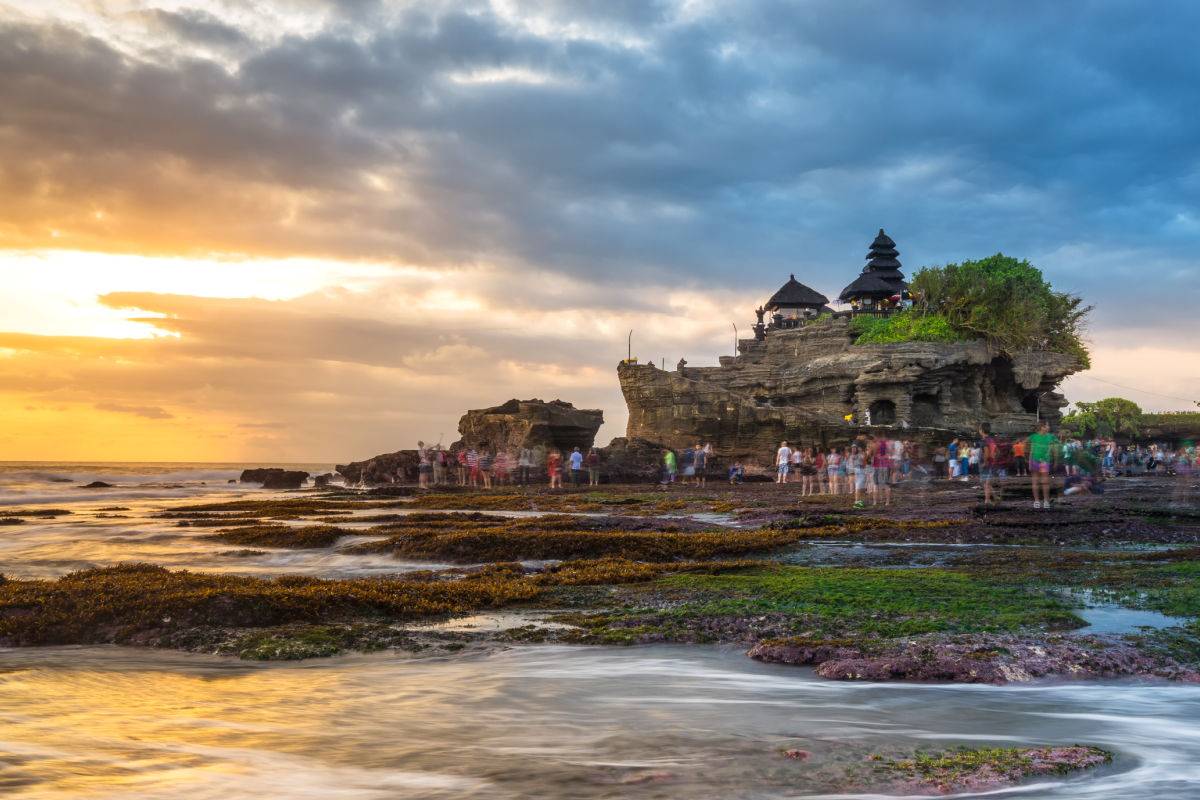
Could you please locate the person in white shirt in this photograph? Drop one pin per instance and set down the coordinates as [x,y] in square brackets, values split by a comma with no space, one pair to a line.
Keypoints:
[783,459]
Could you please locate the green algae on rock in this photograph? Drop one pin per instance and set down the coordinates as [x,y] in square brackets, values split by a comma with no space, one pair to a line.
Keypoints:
[977,769]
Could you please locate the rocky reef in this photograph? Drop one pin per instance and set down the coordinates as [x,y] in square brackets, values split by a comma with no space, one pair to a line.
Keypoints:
[535,424]
[980,658]
[274,477]
[813,385]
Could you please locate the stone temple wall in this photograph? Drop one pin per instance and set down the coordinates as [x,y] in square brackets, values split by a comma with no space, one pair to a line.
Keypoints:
[800,385]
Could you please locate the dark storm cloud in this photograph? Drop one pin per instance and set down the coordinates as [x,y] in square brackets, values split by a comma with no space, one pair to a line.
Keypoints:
[635,139]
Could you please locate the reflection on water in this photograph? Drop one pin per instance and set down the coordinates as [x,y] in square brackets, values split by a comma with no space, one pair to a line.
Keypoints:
[552,722]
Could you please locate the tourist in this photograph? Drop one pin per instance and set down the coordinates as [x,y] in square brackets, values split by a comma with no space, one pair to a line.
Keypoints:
[833,465]
[987,462]
[1020,463]
[689,466]
[857,474]
[1082,483]
[554,468]
[939,462]
[525,466]
[423,467]
[897,451]
[803,467]
[953,464]
[883,463]
[500,467]
[737,473]
[438,460]
[593,465]
[464,468]
[1043,455]
[473,466]
[485,468]
[1185,472]
[700,463]
[964,458]
[668,470]
[576,467]
[783,461]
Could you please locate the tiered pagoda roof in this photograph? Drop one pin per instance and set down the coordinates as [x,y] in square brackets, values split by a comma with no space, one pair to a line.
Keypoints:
[881,277]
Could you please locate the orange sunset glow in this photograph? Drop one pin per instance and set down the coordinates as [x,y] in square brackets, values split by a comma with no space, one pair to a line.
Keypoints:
[311,232]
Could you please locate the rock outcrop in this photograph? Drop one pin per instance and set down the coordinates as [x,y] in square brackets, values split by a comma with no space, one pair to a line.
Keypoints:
[812,385]
[530,423]
[275,477]
[400,466]
[535,424]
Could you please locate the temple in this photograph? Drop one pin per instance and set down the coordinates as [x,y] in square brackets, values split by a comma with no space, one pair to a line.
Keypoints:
[802,378]
[793,305]
[881,285]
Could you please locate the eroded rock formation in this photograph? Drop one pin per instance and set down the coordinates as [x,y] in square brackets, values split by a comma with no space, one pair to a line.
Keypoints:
[530,423]
[812,385]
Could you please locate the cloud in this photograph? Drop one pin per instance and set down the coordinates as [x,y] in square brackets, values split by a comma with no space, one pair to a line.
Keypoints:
[149,412]
[758,135]
[546,176]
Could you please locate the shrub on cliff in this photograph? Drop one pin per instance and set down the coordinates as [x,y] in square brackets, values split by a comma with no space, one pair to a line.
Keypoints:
[903,327]
[1005,301]
[998,298]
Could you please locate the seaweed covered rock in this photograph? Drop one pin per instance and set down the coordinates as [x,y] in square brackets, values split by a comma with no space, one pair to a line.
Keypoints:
[978,658]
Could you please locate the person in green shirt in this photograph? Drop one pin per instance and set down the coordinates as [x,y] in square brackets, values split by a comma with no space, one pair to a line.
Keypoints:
[1043,454]
[668,476]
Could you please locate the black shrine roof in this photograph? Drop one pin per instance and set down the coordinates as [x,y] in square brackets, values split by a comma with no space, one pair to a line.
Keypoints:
[871,285]
[794,293]
[881,277]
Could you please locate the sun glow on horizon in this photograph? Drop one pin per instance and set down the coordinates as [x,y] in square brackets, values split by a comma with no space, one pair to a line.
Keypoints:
[57,292]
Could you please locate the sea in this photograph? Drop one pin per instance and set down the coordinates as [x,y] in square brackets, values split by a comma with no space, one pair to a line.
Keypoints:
[40,482]
[531,721]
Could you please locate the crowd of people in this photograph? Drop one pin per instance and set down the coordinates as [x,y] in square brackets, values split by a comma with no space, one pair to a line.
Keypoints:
[870,468]
[479,467]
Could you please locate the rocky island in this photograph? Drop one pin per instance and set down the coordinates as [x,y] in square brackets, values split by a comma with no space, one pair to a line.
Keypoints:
[810,375]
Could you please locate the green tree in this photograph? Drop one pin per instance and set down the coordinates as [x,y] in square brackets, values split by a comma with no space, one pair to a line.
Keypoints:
[1004,300]
[1112,416]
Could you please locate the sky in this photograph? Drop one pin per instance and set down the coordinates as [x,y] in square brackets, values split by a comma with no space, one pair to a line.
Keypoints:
[311,230]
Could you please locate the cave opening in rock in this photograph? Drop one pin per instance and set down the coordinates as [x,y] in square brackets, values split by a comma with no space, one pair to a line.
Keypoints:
[883,412]
[925,412]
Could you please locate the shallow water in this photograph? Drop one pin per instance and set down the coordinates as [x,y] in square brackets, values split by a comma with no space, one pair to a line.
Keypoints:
[553,722]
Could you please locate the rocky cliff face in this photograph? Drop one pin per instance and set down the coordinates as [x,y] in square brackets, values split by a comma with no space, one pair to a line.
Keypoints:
[530,423]
[801,385]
